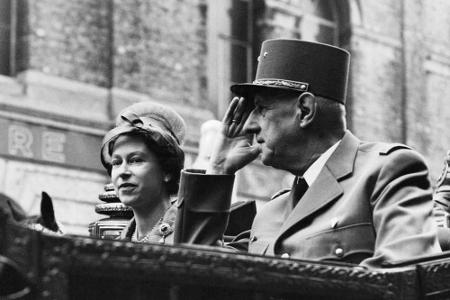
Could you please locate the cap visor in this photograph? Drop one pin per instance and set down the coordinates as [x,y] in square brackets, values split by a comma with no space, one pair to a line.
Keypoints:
[110,135]
[249,90]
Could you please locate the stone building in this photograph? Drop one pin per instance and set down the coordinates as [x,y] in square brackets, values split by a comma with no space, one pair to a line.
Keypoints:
[68,67]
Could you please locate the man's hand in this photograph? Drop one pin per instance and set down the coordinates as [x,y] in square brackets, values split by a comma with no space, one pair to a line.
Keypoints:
[233,149]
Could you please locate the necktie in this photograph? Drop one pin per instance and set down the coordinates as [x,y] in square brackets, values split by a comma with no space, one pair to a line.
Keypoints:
[300,187]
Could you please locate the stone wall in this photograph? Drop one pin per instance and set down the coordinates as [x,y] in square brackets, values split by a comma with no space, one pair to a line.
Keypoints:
[156,48]
[103,55]
[69,39]
[160,49]
[427,40]
[377,74]
[400,75]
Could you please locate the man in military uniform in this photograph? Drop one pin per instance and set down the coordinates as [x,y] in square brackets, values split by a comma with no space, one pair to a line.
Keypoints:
[352,201]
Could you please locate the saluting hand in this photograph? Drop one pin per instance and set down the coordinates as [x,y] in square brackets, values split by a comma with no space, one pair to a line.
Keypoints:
[233,148]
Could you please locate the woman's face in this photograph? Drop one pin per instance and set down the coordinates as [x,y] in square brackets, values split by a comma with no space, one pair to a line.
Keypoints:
[136,173]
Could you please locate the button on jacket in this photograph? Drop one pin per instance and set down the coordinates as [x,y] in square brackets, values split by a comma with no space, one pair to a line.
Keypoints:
[370,204]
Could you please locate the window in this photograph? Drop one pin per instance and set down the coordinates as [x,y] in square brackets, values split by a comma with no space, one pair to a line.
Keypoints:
[313,20]
[5,36]
[231,50]
[237,27]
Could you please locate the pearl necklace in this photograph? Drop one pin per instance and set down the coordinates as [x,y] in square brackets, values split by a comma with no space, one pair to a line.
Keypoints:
[164,229]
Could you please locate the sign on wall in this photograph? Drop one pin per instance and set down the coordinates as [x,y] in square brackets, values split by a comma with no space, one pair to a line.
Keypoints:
[52,145]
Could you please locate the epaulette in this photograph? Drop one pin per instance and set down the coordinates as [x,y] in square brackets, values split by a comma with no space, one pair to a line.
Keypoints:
[389,148]
[279,193]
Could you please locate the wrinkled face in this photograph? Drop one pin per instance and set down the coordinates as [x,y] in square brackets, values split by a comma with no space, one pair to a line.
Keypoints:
[136,173]
[273,122]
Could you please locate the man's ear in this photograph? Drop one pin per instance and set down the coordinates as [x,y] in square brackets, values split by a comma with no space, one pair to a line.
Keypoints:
[307,108]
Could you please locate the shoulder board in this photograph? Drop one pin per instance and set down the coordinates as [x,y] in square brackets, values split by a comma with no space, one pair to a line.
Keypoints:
[389,148]
[279,193]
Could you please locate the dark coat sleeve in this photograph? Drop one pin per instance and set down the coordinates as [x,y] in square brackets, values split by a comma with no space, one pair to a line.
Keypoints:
[203,207]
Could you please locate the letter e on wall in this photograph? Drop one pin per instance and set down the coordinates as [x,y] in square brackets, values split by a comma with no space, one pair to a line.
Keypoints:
[53,146]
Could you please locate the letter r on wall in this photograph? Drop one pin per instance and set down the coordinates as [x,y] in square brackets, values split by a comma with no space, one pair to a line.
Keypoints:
[19,141]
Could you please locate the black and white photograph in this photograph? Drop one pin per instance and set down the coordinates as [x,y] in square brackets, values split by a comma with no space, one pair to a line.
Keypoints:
[225,149]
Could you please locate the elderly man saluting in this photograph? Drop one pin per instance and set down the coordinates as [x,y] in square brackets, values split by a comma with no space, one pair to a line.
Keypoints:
[367,203]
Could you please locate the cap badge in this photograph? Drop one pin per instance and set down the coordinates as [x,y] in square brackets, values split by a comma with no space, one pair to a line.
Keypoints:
[264,55]
[301,86]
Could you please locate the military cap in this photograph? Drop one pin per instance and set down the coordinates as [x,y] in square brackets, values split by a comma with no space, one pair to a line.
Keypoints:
[301,66]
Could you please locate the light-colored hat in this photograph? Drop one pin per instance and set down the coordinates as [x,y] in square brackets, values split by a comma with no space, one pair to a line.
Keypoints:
[168,117]
[160,123]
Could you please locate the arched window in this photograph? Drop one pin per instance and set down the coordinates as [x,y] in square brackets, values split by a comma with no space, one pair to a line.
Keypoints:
[237,27]
[313,20]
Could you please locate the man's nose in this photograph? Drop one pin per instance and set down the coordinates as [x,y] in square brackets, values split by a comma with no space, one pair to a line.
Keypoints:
[251,125]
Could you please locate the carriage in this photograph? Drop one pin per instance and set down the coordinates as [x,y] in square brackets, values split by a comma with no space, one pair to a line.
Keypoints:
[41,265]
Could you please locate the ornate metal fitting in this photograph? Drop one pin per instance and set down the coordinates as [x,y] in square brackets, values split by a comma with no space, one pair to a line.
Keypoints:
[165,229]
[302,86]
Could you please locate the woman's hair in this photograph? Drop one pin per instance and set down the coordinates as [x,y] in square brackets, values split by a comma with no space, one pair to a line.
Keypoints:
[170,156]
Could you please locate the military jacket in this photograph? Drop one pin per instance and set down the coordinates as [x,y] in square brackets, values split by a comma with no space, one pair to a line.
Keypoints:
[371,204]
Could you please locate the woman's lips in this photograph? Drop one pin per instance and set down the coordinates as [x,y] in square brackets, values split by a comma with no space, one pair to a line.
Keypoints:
[126,187]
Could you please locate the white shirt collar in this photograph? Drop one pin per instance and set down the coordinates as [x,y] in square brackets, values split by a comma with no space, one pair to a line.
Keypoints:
[313,171]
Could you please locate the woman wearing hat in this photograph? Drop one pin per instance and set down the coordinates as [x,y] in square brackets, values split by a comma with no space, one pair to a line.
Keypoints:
[144,158]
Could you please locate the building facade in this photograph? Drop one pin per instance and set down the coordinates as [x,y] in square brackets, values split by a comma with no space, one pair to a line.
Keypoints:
[68,67]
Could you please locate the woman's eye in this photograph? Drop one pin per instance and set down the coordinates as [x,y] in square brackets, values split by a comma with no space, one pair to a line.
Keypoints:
[116,162]
[135,159]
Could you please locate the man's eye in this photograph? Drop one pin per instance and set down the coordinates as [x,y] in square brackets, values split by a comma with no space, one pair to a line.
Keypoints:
[261,110]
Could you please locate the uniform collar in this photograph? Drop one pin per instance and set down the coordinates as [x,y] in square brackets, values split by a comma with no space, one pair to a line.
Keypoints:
[313,171]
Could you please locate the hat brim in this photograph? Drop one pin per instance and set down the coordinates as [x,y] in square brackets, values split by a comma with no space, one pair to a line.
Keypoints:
[111,135]
[163,140]
[249,90]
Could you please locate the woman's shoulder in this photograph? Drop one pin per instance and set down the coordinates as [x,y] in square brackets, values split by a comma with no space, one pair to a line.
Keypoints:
[171,213]
[166,226]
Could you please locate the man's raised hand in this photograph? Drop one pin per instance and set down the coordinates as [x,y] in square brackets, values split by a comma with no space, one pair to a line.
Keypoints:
[233,149]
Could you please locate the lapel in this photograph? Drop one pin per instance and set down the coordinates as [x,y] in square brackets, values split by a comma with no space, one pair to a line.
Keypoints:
[326,187]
